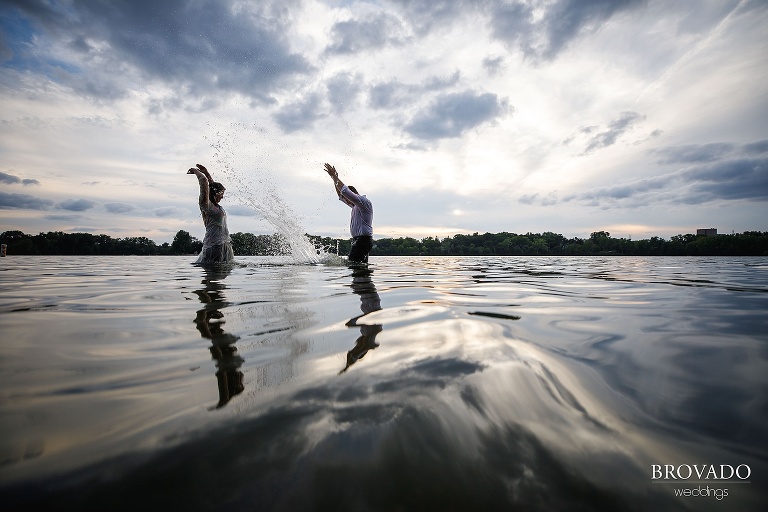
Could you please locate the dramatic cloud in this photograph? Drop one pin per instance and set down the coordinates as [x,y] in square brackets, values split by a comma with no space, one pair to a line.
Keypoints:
[119,207]
[76,205]
[537,198]
[6,53]
[376,31]
[542,30]
[169,211]
[202,48]
[625,190]
[453,114]
[22,202]
[301,114]
[393,94]
[616,129]
[9,179]
[65,218]
[12,180]
[743,178]
[621,107]
[756,148]
[693,153]
[718,171]
[425,16]
[241,210]
[493,65]
[343,91]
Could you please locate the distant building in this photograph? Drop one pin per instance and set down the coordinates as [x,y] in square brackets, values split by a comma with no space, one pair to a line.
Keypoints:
[706,232]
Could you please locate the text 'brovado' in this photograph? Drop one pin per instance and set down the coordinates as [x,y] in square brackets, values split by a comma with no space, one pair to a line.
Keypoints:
[721,472]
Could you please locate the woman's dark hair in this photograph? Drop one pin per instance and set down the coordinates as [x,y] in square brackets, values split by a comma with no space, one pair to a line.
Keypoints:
[214,188]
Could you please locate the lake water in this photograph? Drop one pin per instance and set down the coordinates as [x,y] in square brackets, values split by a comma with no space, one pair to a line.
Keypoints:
[514,383]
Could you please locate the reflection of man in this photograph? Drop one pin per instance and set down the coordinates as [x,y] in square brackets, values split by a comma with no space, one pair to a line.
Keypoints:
[362,285]
[209,322]
[361,221]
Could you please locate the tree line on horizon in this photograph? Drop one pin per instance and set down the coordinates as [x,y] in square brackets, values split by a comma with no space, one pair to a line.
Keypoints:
[599,243]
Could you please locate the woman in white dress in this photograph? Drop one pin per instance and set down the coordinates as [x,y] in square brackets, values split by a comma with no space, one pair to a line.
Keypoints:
[217,246]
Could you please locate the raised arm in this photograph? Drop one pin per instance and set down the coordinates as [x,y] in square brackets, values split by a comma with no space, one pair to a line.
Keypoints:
[204,178]
[205,171]
[331,170]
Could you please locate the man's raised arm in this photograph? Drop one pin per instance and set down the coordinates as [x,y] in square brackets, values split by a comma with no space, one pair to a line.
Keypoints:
[331,170]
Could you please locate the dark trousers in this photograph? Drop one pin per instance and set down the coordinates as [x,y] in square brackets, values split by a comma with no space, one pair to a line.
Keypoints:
[361,246]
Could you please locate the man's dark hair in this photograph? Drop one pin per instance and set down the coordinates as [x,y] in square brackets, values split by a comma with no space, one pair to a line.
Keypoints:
[353,189]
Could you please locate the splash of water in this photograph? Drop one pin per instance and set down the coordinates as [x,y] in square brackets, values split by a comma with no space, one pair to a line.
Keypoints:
[267,201]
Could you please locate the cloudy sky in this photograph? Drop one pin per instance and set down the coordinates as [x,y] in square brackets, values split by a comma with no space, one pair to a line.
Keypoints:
[641,118]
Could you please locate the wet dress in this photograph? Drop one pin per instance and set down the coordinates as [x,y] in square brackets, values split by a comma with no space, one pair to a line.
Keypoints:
[217,246]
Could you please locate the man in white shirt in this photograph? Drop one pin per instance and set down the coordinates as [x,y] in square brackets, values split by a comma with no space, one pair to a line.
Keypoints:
[361,221]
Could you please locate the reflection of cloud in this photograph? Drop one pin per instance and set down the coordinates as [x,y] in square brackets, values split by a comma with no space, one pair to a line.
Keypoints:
[433,372]
[343,447]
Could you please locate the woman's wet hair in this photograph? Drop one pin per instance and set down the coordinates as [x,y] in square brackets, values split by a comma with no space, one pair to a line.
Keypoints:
[214,188]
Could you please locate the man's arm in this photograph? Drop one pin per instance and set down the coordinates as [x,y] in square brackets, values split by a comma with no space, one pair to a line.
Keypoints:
[331,170]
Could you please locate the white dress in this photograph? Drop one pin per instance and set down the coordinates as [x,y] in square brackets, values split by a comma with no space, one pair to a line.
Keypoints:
[217,246]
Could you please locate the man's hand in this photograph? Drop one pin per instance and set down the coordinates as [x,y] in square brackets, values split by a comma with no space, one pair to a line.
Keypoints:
[331,170]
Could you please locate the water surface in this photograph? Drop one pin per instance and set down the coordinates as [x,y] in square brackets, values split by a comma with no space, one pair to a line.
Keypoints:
[525,383]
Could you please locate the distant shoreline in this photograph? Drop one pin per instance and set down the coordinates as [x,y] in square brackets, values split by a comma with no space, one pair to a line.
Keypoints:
[600,243]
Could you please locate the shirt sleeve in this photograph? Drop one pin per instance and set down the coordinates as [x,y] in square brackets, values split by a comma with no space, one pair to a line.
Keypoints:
[352,197]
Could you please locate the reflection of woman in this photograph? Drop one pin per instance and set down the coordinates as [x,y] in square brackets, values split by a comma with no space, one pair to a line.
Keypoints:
[217,247]
[210,321]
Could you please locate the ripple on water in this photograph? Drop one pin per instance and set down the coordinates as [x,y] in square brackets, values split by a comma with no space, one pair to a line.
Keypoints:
[544,383]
